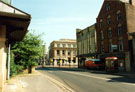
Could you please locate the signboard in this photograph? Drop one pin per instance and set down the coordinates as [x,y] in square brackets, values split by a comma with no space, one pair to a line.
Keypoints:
[114,47]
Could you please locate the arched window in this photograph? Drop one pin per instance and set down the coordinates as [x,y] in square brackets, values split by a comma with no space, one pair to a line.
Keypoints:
[109,32]
[107,7]
[120,29]
[108,19]
[118,15]
[101,23]
[102,35]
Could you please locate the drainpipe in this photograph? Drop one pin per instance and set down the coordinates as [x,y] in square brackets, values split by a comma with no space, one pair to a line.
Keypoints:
[8,67]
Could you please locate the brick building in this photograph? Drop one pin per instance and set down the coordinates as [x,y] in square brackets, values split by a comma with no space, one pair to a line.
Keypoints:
[63,52]
[116,20]
[86,44]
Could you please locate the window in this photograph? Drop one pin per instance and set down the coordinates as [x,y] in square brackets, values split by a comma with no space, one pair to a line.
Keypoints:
[74,46]
[120,29]
[120,44]
[109,19]
[58,45]
[74,60]
[63,45]
[101,23]
[82,37]
[58,52]
[110,45]
[118,15]
[102,47]
[74,52]
[69,45]
[109,33]
[107,7]
[63,52]
[69,52]
[102,35]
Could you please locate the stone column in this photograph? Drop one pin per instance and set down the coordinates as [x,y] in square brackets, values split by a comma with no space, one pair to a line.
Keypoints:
[2,57]
[61,58]
[71,58]
[76,61]
[55,62]
[66,57]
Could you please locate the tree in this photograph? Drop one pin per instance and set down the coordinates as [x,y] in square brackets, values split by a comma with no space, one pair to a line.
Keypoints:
[6,1]
[27,52]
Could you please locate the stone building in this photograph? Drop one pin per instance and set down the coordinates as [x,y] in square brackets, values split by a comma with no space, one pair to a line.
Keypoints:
[86,44]
[116,20]
[13,27]
[63,52]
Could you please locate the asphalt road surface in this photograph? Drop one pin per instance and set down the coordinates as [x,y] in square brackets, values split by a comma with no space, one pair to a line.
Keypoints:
[90,81]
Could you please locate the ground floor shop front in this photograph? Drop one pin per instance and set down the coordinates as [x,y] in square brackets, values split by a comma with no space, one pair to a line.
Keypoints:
[64,61]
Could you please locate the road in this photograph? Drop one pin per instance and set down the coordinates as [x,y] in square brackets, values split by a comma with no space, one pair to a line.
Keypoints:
[90,81]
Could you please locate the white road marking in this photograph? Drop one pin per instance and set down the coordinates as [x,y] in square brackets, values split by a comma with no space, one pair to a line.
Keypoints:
[87,75]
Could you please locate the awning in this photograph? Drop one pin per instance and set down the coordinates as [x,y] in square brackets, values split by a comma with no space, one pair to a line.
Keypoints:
[15,20]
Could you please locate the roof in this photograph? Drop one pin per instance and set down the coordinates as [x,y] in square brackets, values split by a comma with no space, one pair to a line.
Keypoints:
[16,22]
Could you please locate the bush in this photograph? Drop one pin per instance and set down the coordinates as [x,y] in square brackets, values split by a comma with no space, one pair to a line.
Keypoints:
[26,52]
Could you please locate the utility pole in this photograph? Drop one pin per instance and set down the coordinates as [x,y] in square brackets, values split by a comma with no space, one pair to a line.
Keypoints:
[11,2]
[8,67]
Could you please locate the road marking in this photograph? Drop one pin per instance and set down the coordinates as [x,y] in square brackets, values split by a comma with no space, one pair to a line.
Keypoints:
[133,84]
[87,75]
[50,71]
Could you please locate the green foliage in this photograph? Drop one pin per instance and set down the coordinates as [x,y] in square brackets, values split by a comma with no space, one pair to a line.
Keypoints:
[27,52]
[13,70]
[6,1]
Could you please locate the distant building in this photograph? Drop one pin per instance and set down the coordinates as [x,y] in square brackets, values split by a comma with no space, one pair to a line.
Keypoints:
[44,53]
[86,44]
[115,22]
[63,52]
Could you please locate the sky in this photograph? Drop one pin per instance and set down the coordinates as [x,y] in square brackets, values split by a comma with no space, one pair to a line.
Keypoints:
[59,19]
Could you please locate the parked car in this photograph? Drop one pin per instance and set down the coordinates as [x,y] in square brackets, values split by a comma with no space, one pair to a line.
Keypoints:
[94,64]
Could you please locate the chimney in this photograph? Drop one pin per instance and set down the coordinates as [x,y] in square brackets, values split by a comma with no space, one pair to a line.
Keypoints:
[132,2]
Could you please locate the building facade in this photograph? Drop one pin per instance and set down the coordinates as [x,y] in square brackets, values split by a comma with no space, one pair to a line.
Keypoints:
[63,52]
[86,44]
[114,24]
[13,27]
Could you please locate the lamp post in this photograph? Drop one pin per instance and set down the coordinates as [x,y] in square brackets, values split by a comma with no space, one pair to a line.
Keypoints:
[8,70]
[11,2]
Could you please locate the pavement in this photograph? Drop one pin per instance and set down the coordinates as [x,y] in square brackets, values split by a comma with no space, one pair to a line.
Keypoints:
[32,83]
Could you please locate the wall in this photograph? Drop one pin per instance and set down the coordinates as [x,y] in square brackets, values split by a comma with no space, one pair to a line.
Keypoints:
[2,57]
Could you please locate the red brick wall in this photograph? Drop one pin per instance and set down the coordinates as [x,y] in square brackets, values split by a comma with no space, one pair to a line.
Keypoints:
[114,7]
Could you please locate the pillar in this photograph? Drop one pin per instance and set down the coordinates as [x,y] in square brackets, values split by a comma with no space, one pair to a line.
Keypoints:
[77,61]
[2,57]
[55,62]
[134,50]
[127,61]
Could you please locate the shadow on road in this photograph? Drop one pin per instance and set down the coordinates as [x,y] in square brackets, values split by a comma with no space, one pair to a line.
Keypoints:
[122,79]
